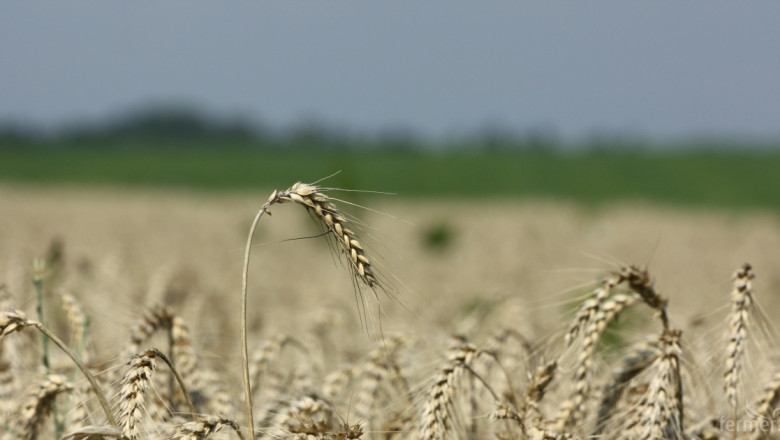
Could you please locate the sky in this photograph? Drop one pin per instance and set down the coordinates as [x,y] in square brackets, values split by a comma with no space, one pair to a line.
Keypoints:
[657,69]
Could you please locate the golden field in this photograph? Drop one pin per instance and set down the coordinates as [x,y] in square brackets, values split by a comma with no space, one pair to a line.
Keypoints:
[525,265]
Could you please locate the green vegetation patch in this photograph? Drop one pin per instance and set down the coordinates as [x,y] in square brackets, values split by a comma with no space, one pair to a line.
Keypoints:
[731,179]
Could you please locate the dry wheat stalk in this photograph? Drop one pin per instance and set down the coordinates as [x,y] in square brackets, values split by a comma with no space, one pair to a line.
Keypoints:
[319,204]
[741,305]
[436,417]
[38,405]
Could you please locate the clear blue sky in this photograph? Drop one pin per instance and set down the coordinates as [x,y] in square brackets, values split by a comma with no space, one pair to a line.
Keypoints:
[660,69]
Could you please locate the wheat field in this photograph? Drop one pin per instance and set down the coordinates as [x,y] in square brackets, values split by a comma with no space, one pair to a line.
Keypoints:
[532,319]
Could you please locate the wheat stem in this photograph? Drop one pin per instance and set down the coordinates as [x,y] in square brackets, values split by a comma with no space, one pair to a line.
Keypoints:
[95,386]
[161,355]
[15,320]
[244,344]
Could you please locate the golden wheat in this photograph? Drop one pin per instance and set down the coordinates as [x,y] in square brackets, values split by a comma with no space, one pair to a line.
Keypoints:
[563,380]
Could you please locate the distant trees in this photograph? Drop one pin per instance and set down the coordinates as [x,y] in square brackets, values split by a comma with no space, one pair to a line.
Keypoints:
[179,125]
[152,122]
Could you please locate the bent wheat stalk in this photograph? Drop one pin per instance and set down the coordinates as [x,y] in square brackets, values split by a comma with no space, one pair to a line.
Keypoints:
[319,204]
[14,321]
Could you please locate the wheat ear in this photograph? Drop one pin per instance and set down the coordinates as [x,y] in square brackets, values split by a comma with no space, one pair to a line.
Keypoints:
[506,411]
[768,401]
[154,318]
[543,375]
[77,324]
[268,352]
[39,404]
[307,416]
[380,366]
[9,362]
[318,203]
[639,281]
[204,427]
[183,358]
[661,414]
[8,381]
[436,415]
[741,303]
[590,307]
[135,383]
[572,412]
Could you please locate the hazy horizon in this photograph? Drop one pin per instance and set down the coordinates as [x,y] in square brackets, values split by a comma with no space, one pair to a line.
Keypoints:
[570,70]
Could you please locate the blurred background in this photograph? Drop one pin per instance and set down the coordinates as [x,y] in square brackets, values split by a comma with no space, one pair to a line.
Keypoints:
[585,103]
[510,155]
[530,147]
